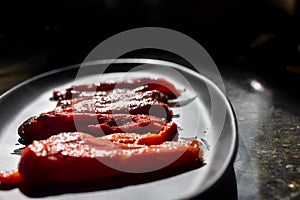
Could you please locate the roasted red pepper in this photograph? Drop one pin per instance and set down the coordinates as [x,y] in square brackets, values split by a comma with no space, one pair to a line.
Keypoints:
[142,84]
[10,177]
[134,105]
[52,123]
[76,157]
[166,134]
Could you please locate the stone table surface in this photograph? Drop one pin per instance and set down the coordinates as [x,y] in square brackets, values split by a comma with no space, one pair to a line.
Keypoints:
[267,165]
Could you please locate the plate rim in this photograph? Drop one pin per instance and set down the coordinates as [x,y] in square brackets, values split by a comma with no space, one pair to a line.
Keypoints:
[234,144]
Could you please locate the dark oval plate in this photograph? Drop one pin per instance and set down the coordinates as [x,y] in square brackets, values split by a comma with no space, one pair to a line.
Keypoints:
[209,118]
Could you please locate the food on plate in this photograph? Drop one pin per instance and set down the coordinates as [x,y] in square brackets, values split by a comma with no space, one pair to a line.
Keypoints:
[124,106]
[95,115]
[131,116]
[76,157]
[141,84]
[10,177]
[52,123]
[117,95]
[119,110]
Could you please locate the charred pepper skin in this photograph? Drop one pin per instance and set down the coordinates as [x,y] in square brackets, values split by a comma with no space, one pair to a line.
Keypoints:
[73,157]
[118,103]
[141,84]
[110,110]
[52,123]
[78,157]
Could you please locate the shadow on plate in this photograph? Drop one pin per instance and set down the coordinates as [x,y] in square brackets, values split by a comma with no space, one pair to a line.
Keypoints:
[224,188]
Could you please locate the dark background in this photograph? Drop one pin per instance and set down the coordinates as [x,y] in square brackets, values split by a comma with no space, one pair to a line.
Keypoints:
[55,34]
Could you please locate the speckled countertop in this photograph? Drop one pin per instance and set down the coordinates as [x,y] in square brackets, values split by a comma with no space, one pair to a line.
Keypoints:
[267,165]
